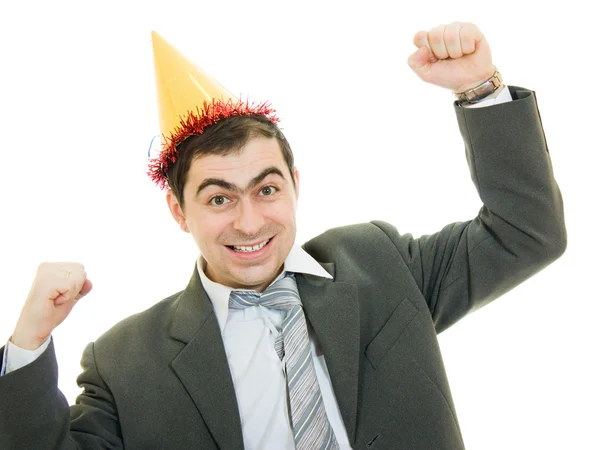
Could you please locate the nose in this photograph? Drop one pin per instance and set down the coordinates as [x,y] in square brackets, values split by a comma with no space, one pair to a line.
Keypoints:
[249,219]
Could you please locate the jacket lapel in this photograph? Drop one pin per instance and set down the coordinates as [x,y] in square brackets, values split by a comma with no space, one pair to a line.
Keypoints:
[202,365]
[332,310]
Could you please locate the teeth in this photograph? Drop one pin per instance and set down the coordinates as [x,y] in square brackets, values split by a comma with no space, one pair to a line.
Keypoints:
[250,249]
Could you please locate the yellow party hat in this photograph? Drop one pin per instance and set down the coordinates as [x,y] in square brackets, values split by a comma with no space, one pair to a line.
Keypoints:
[189,100]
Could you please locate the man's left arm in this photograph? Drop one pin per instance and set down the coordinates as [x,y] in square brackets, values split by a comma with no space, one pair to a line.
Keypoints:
[520,227]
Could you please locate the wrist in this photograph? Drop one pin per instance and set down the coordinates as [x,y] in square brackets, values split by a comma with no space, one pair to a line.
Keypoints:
[486,89]
[485,76]
[24,342]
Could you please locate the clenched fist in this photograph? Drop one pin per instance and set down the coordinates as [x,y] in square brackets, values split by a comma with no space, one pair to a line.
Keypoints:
[55,290]
[455,56]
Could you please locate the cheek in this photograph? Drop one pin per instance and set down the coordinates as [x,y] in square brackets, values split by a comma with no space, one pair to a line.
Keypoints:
[284,213]
[208,228]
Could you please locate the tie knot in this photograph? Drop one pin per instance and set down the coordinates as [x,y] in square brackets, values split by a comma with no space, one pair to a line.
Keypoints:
[282,295]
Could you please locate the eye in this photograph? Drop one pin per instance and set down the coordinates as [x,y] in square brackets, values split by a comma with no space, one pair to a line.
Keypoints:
[268,190]
[219,200]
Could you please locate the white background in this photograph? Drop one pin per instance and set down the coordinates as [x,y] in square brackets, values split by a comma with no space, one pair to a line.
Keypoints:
[78,111]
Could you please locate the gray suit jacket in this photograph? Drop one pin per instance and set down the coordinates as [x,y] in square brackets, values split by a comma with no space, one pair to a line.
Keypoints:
[160,379]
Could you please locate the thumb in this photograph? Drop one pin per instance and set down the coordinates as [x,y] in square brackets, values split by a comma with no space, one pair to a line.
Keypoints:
[85,289]
[420,61]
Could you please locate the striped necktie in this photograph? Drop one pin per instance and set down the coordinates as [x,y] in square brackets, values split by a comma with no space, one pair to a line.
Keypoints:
[312,430]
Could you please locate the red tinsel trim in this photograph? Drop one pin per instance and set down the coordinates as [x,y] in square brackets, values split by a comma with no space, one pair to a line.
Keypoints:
[194,124]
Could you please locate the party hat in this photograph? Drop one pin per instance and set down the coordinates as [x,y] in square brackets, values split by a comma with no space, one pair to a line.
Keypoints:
[189,100]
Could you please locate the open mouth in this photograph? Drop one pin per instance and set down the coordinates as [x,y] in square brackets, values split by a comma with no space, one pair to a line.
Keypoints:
[249,249]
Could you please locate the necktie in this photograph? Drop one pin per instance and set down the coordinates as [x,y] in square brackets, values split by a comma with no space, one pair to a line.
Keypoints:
[310,424]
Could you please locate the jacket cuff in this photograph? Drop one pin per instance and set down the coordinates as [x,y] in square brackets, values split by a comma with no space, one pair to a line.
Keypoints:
[16,357]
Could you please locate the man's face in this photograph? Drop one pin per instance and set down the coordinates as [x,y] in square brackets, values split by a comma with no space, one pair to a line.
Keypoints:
[241,211]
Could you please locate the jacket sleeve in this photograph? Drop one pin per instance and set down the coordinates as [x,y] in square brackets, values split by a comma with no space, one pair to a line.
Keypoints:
[519,229]
[35,414]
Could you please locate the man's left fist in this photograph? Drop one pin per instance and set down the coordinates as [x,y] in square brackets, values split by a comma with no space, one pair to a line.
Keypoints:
[455,56]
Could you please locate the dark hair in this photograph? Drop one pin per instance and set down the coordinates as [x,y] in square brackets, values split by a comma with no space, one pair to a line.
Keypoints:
[223,138]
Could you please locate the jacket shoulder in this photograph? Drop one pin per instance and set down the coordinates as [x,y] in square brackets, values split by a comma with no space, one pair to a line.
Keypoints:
[363,239]
[141,330]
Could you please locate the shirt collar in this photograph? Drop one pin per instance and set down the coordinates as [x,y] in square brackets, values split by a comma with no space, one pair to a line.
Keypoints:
[298,261]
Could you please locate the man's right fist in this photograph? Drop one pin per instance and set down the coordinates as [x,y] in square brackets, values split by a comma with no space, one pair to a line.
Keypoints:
[55,290]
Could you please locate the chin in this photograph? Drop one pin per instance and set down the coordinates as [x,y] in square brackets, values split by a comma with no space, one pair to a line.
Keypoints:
[256,278]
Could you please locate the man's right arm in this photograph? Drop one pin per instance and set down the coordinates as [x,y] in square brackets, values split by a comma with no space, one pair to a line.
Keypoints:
[36,415]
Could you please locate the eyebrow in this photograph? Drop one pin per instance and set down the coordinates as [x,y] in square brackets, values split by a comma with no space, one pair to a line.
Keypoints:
[232,187]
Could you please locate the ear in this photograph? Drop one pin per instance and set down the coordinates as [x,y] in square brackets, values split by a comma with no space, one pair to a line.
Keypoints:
[176,211]
[297,180]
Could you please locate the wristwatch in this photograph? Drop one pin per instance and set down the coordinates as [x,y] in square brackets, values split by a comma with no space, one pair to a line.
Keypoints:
[480,92]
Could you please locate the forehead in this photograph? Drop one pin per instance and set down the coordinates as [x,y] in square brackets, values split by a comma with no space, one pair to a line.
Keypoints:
[239,167]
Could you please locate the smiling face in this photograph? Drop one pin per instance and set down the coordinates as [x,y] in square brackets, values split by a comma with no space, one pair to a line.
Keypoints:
[241,210]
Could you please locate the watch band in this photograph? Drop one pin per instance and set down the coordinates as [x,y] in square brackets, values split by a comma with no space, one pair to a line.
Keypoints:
[478,93]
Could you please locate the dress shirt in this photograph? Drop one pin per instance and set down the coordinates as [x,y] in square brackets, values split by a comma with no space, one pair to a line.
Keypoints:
[257,372]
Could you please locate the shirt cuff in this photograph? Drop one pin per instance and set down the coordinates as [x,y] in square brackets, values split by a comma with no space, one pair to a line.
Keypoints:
[15,357]
[503,97]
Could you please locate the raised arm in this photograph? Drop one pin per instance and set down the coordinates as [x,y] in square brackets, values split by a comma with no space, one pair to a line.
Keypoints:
[34,413]
[520,228]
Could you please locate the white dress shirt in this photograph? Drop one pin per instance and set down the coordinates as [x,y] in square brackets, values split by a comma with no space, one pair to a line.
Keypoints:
[257,372]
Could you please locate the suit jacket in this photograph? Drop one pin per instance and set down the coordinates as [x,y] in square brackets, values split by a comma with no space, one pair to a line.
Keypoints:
[160,379]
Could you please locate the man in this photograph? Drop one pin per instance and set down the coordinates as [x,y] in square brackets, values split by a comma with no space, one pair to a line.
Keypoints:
[274,346]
